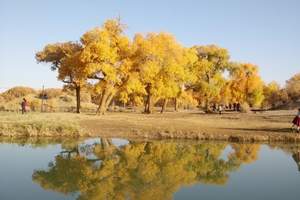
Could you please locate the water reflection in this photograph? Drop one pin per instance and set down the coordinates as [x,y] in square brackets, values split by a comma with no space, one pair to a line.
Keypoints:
[140,170]
[296,157]
[39,142]
[119,169]
[293,149]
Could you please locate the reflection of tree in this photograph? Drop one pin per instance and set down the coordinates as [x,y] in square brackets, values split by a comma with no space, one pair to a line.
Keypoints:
[66,175]
[296,157]
[246,153]
[40,141]
[293,149]
[141,170]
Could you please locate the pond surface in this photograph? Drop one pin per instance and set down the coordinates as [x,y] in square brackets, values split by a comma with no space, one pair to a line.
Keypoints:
[139,170]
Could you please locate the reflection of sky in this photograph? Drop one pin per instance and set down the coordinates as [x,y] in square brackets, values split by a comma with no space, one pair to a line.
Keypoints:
[16,167]
[273,176]
[86,148]
[116,141]
[227,151]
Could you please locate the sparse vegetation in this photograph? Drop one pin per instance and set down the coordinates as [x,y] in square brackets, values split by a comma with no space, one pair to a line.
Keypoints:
[245,108]
[57,100]
[40,124]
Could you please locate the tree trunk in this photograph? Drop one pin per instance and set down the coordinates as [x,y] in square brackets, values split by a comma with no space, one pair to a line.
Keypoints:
[77,99]
[176,105]
[207,108]
[207,102]
[102,105]
[148,100]
[148,104]
[108,100]
[104,143]
[163,108]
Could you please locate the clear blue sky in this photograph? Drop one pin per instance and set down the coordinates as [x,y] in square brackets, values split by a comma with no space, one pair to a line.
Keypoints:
[263,32]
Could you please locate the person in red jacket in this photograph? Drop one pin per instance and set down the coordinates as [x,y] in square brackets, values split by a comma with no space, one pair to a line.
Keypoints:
[24,105]
[296,121]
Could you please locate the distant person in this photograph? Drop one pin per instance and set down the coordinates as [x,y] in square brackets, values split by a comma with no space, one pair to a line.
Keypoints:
[296,121]
[234,107]
[214,107]
[220,108]
[238,107]
[24,106]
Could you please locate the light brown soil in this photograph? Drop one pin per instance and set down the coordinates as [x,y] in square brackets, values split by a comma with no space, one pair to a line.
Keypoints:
[271,126]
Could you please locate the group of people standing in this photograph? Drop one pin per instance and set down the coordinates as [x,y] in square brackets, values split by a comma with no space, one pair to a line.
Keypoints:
[230,107]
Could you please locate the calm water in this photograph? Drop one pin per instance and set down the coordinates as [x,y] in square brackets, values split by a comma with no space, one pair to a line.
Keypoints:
[120,169]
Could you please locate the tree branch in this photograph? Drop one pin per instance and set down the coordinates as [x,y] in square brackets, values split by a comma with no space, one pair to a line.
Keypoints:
[95,77]
[68,82]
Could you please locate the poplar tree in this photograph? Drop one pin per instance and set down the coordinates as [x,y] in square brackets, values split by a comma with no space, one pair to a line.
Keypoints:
[64,58]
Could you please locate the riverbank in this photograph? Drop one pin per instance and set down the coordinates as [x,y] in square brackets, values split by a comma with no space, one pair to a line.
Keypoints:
[271,126]
[40,124]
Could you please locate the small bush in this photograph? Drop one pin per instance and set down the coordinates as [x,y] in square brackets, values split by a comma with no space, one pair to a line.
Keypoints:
[85,97]
[66,98]
[35,105]
[2,100]
[245,108]
[53,105]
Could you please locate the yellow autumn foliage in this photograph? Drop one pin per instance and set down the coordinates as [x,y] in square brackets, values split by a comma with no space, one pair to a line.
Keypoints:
[151,68]
[143,170]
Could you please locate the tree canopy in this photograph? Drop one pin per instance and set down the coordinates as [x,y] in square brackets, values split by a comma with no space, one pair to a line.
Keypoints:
[64,57]
[293,87]
[155,69]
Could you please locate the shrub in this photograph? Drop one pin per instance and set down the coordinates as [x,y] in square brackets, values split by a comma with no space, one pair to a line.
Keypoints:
[52,105]
[2,100]
[35,104]
[245,108]
[2,108]
[293,87]
[66,98]
[85,97]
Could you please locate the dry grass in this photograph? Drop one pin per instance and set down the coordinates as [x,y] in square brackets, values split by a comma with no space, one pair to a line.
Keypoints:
[62,103]
[40,124]
[269,126]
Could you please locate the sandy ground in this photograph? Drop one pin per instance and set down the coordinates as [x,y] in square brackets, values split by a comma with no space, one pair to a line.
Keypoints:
[265,126]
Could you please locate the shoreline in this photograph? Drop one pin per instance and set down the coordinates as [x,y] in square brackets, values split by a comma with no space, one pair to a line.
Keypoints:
[260,139]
